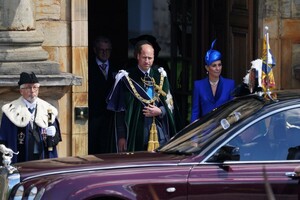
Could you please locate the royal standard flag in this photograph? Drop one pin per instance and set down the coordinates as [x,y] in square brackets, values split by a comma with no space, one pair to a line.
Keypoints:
[268,81]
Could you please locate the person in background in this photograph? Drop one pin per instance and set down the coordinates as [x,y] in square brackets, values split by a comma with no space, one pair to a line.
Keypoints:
[143,104]
[29,124]
[101,78]
[212,91]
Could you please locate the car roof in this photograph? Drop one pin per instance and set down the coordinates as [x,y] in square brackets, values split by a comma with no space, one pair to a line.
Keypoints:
[288,94]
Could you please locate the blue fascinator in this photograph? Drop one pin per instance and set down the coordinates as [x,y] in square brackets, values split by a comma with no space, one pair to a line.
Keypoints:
[212,55]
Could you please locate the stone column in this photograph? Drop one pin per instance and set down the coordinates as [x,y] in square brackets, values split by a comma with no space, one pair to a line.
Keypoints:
[21,50]
[20,44]
[17,15]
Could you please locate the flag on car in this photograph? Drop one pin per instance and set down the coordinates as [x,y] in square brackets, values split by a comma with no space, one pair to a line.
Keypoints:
[268,81]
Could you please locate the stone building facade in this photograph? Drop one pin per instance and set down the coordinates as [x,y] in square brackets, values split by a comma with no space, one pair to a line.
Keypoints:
[54,36]
[283,19]
[63,23]
[48,38]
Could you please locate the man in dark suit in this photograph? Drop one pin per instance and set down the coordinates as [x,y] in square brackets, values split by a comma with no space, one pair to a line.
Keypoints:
[101,79]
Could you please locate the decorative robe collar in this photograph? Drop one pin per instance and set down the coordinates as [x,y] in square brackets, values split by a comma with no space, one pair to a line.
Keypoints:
[18,113]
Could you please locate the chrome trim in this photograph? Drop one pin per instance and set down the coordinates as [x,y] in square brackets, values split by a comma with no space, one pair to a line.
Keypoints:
[255,162]
[291,174]
[7,155]
[171,189]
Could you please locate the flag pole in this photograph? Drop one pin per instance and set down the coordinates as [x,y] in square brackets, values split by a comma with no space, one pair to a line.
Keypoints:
[267,62]
[267,58]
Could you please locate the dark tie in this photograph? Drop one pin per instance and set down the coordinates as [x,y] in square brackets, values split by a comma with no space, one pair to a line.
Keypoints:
[103,68]
[149,86]
[146,79]
[31,110]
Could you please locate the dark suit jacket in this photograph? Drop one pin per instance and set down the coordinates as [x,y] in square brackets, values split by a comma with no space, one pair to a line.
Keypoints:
[100,119]
[99,88]
[203,99]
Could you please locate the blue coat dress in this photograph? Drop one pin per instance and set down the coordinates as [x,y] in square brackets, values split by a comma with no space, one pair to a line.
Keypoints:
[203,99]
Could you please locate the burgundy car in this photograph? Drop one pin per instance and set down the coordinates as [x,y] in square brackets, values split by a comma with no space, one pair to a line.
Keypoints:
[248,148]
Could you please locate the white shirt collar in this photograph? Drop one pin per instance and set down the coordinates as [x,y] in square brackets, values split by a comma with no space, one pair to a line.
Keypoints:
[100,63]
[28,104]
[148,71]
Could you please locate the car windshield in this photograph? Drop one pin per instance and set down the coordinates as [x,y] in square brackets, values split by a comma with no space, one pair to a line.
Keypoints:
[205,130]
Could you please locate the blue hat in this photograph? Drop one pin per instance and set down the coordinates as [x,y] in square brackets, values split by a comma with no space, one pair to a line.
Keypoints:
[212,55]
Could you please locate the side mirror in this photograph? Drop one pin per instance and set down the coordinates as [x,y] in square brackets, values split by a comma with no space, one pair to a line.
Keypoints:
[226,153]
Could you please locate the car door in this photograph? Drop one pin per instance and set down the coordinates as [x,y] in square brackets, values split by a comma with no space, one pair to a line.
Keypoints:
[159,182]
[269,152]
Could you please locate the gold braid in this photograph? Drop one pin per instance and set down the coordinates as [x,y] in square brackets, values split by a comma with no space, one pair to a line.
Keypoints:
[157,89]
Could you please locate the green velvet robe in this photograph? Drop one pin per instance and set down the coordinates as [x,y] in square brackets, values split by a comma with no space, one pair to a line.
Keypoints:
[122,99]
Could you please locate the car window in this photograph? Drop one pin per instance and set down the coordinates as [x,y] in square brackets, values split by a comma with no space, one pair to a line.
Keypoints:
[212,127]
[276,137]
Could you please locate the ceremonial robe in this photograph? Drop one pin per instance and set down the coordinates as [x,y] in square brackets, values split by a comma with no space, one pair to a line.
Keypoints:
[16,119]
[123,100]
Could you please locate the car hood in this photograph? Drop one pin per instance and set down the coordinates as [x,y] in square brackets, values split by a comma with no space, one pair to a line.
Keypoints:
[95,162]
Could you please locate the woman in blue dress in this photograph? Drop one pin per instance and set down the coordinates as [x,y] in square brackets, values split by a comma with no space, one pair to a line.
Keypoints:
[212,91]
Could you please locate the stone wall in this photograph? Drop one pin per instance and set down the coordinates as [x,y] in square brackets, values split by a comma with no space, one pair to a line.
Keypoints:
[283,19]
[162,26]
[63,23]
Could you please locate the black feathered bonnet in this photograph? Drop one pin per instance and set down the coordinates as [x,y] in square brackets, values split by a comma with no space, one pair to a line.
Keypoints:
[27,78]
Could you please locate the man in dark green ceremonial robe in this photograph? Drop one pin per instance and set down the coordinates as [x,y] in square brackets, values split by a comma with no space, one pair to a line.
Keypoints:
[141,98]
